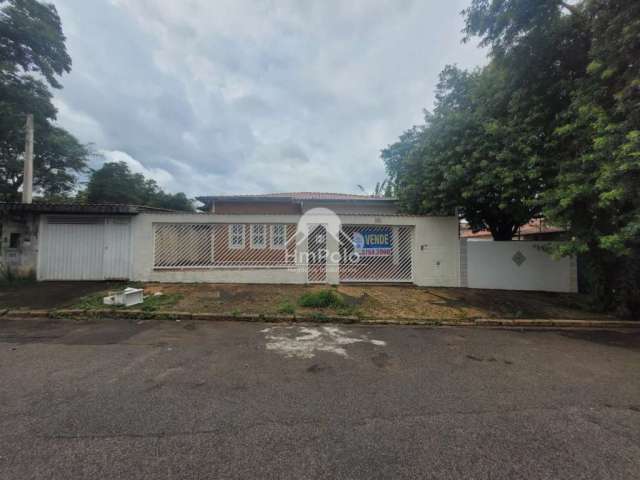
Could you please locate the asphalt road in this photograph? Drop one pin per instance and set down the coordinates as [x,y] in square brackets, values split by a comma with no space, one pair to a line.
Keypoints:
[118,399]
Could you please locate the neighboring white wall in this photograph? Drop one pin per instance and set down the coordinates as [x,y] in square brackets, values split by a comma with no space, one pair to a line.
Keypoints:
[435,249]
[436,252]
[492,265]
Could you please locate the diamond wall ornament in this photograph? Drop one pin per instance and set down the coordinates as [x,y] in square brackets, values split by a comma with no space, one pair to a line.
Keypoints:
[518,258]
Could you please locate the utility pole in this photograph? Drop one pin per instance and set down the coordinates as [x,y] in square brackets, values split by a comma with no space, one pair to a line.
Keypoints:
[27,182]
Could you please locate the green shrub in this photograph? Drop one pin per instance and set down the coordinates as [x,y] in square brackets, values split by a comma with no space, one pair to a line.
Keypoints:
[322,299]
[153,303]
[287,308]
[91,302]
[318,317]
[349,311]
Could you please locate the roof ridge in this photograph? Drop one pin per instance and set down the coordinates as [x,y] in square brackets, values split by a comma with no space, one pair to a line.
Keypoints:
[300,195]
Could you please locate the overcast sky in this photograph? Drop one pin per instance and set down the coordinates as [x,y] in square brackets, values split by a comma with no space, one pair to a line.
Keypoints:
[235,96]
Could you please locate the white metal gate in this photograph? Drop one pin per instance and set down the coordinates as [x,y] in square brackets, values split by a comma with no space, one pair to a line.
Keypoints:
[117,248]
[317,250]
[85,248]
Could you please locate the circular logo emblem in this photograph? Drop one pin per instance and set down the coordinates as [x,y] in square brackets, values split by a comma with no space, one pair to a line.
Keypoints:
[358,240]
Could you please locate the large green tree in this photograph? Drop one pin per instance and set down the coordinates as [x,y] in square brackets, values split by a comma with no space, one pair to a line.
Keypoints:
[471,155]
[551,126]
[32,57]
[115,183]
[597,190]
[488,150]
[596,141]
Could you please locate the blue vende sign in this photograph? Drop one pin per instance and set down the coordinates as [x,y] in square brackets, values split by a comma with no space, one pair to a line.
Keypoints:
[372,242]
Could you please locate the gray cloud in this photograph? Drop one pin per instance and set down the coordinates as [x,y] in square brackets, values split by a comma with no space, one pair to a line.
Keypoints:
[253,96]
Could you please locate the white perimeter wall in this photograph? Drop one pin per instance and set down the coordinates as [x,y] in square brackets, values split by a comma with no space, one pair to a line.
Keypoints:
[491,265]
[436,249]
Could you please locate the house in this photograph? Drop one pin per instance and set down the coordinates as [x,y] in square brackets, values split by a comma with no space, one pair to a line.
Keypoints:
[301,237]
[285,238]
[299,202]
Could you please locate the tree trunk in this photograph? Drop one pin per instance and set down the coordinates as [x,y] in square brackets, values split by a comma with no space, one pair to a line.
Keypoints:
[503,232]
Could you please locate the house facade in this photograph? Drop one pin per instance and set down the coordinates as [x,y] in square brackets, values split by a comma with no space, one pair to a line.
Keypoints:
[279,238]
[294,238]
[297,238]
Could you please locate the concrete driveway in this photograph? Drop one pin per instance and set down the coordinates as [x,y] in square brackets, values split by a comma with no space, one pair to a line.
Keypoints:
[167,400]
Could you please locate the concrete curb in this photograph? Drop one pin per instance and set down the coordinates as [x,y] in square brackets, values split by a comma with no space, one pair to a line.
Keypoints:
[491,322]
[220,317]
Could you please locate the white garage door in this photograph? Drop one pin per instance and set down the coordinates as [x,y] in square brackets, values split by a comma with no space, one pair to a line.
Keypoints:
[85,248]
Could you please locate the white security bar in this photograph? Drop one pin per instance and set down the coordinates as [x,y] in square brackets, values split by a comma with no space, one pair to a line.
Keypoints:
[367,253]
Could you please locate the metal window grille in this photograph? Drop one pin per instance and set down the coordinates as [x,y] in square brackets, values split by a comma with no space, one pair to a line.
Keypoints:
[182,246]
[258,236]
[376,253]
[236,235]
[278,236]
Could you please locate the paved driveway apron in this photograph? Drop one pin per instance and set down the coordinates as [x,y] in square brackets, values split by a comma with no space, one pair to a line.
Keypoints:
[119,399]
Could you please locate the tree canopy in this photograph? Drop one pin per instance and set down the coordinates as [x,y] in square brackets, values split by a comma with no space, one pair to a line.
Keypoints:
[550,126]
[115,183]
[471,156]
[32,57]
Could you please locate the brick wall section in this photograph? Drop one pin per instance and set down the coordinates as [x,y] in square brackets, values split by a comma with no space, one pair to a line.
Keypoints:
[222,252]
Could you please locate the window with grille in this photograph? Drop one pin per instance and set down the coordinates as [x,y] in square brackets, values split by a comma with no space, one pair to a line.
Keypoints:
[189,245]
[278,236]
[258,236]
[236,236]
[183,245]
[14,240]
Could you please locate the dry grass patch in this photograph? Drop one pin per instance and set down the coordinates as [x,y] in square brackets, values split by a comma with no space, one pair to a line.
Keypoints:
[376,301]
